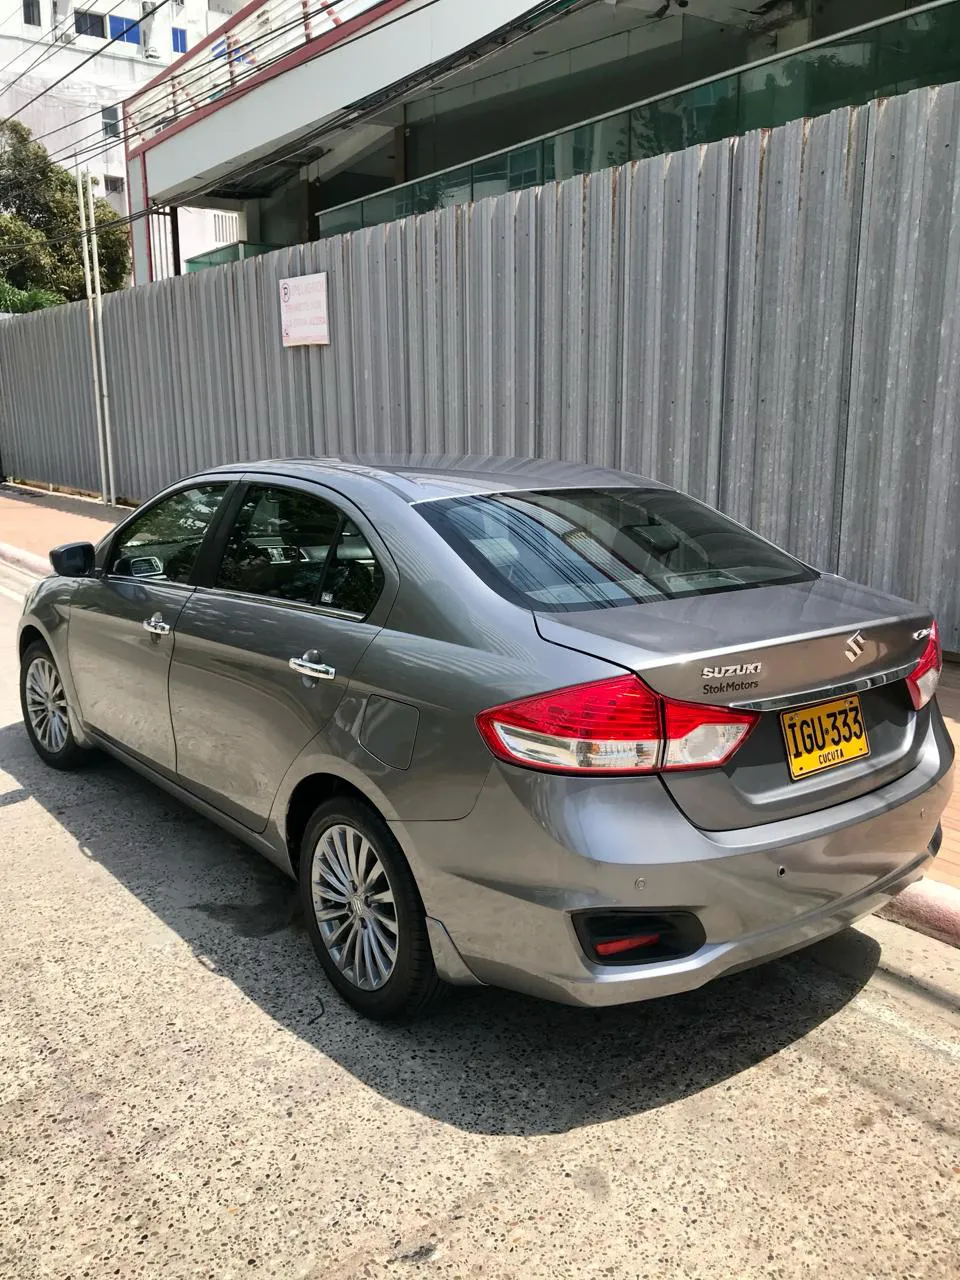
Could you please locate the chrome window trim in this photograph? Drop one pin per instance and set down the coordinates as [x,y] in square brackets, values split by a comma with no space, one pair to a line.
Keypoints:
[810,696]
[344,615]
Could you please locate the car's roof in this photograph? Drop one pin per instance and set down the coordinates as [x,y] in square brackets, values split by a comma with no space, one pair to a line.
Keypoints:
[424,477]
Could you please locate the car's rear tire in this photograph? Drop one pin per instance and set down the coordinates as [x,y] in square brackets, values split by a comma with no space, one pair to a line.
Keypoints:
[43,701]
[364,914]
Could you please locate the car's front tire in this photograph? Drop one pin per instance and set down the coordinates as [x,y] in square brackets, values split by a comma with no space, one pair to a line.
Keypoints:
[364,914]
[43,701]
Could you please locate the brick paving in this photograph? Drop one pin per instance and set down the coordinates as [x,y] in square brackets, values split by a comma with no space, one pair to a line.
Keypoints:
[36,521]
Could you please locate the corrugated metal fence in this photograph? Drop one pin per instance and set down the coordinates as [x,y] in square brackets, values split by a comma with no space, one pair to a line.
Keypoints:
[769,322]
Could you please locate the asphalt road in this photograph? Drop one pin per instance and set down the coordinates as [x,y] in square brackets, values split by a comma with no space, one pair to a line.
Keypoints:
[181,1095]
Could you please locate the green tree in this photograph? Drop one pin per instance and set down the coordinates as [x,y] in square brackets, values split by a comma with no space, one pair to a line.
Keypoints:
[38,209]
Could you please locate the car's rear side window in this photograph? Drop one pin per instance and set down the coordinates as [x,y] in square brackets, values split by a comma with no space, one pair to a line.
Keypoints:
[564,549]
[294,546]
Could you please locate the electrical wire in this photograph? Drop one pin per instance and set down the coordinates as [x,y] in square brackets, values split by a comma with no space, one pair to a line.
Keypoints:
[250,46]
[343,118]
[48,50]
[255,43]
[80,65]
[184,85]
[98,145]
[126,221]
[199,74]
[39,40]
[374,103]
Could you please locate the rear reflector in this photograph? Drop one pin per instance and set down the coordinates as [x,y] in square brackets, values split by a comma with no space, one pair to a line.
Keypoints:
[925,677]
[612,726]
[626,944]
[622,937]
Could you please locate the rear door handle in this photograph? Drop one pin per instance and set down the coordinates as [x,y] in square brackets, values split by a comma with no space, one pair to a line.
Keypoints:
[312,670]
[156,625]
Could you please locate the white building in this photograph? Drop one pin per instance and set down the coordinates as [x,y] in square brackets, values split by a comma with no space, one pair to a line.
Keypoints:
[42,40]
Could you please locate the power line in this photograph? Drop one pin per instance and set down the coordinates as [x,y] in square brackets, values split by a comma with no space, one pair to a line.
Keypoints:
[126,221]
[95,54]
[239,76]
[3,22]
[47,52]
[344,117]
[200,73]
[185,84]
[38,137]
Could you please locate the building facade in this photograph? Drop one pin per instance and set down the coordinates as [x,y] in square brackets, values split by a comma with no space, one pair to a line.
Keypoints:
[80,120]
[314,118]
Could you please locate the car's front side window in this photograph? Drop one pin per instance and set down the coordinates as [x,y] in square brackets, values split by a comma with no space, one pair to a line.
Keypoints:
[290,545]
[165,541]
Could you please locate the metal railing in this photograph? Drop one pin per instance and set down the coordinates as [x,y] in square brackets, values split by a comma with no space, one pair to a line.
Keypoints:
[243,48]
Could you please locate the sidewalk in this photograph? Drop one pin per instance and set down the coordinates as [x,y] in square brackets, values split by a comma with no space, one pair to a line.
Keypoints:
[31,522]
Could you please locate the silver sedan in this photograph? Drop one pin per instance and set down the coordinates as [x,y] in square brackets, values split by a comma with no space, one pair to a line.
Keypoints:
[562,730]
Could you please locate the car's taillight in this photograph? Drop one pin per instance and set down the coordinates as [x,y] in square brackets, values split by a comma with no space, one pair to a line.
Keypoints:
[923,679]
[612,726]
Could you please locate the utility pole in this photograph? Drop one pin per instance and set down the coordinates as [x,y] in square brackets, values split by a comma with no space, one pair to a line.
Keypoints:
[94,362]
[104,389]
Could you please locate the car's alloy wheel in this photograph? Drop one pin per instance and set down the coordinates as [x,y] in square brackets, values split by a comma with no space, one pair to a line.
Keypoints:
[355,908]
[46,714]
[364,914]
[47,704]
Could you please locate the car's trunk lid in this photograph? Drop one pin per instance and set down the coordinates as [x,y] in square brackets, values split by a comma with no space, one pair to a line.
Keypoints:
[770,648]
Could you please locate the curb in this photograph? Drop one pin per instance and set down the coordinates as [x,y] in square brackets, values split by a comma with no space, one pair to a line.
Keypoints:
[25,561]
[928,907]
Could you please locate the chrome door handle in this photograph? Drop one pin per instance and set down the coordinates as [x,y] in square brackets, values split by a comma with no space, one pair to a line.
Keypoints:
[156,625]
[312,670]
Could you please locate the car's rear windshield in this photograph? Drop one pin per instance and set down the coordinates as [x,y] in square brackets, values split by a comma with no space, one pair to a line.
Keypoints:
[564,549]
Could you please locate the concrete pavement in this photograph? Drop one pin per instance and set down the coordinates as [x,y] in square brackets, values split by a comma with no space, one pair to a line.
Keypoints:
[182,1096]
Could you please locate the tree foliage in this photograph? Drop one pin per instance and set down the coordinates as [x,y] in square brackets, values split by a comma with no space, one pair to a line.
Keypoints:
[40,244]
[15,301]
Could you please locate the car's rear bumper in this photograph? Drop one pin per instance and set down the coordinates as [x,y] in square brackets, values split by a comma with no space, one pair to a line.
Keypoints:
[505,881]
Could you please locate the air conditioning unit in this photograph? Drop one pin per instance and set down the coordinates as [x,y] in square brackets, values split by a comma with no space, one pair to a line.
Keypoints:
[65,37]
[151,53]
[146,8]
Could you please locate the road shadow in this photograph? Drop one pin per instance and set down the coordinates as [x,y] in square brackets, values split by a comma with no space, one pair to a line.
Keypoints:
[488,1061]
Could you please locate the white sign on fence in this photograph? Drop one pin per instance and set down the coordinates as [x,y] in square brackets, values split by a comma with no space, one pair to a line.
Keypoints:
[303,311]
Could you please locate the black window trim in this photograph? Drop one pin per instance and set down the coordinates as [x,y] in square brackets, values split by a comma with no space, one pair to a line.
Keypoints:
[105,551]
[90,13]
[212,555]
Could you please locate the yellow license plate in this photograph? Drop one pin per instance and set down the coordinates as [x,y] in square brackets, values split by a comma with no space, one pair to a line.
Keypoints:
[824,736]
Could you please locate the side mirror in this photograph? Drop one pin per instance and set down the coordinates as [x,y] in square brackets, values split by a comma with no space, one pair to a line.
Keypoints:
[73,559]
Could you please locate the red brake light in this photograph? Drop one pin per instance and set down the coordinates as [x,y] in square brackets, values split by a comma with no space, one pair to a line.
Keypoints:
[612,726]
[923,680]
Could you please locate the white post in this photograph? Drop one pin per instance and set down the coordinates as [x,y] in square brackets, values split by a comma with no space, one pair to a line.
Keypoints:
[104,389]
[93,338]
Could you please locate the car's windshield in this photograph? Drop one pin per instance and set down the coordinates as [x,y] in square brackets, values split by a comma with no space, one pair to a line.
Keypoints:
[565,549]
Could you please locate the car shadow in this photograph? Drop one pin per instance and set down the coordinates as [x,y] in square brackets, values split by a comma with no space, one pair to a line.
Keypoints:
[488,1061]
